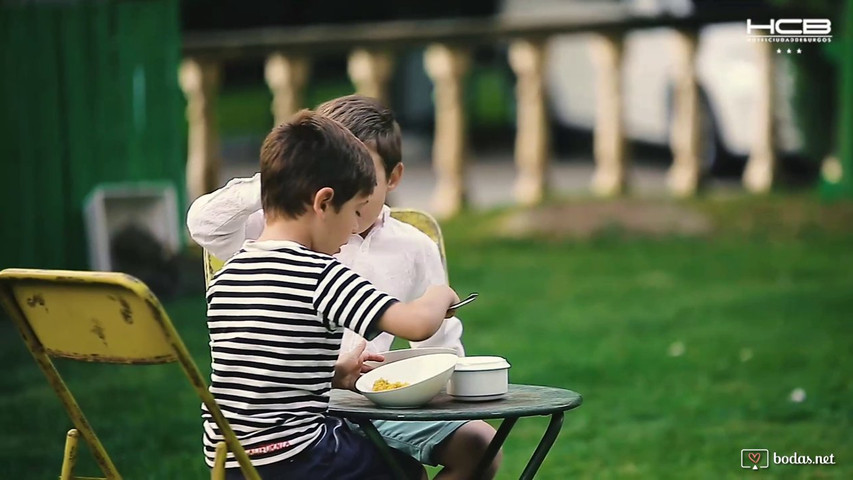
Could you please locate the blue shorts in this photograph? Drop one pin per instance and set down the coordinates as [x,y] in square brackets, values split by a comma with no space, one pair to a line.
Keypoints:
[339,454]
[417,439]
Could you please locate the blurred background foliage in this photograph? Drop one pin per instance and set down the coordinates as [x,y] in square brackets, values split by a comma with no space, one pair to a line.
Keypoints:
[816,80]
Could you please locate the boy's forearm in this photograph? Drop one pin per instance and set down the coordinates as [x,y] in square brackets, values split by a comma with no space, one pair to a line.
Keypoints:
[414,321]
[431,318]
[449,335]
[339,378]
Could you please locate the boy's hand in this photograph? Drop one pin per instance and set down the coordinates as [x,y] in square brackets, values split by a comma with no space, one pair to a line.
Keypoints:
[451,310]
[369,357]
[350,365]
[442,295]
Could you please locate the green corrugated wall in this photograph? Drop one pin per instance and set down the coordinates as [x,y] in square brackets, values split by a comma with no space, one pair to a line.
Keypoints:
[89,95]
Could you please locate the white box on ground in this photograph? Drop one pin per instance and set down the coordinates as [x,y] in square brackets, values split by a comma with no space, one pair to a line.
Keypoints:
[111,207]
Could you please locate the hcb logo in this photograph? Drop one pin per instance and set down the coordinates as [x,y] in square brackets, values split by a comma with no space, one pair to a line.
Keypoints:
[791,26]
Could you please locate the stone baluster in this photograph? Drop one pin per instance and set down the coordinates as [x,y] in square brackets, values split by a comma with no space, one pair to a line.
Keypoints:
[685,173]
[527,59]
[446,66]
[369,72]
[286,76]
[610,177]
[199,81]
[761,165]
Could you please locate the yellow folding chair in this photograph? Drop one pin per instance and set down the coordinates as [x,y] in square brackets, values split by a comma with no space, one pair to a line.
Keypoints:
[426,223]
[212,265]
[419,219]
[102,317]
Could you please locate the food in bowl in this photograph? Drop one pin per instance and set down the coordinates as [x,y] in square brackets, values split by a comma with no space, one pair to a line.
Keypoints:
[425,374]
[381,385]
[479,378]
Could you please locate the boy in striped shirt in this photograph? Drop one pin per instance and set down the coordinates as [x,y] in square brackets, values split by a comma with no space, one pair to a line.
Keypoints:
[277,309]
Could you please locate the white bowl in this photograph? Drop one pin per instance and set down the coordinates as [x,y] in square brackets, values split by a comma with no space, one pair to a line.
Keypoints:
[426,375]
[404,353]
[479,378]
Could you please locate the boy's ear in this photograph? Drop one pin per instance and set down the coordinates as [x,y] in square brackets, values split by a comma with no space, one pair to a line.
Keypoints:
[323,200]
[395,177]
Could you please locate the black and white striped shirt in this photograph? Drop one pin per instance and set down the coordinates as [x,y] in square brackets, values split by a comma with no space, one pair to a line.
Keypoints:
[275,314]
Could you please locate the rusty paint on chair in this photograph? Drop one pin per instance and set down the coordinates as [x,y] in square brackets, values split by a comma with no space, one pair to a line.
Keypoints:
[124,309]
[98,330]
[35,300]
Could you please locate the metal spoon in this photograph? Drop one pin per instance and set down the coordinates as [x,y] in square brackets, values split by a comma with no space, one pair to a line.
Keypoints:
[470,298]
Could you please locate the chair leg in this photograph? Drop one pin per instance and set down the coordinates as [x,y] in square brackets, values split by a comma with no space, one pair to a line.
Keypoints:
[218,472]
[70,456]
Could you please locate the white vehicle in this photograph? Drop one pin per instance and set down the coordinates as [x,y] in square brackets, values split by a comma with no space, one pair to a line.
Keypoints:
[727,69]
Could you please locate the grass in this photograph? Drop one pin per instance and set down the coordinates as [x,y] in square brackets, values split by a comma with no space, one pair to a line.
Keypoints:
[686,351]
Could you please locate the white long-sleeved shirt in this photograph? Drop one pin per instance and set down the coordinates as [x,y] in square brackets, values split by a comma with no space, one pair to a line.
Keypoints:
[396,257]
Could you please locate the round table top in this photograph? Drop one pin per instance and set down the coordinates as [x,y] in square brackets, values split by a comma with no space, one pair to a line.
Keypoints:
[520,401]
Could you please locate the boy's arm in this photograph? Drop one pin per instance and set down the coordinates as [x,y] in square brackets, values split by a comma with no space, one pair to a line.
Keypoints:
[350,365]
[419,319]
[449,335]
[345,299]
[431,271]
[222,220]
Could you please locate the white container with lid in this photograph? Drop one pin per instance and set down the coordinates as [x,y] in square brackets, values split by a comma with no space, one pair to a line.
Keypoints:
[479,378]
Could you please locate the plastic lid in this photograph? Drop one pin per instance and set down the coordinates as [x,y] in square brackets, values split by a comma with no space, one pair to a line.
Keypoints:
[472,364]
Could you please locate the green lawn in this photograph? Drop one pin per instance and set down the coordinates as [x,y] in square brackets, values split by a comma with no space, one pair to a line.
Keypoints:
[686,349]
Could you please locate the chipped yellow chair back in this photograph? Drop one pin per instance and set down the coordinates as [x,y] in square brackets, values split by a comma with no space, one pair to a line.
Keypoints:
[211,266]
[102,317]
[419,219]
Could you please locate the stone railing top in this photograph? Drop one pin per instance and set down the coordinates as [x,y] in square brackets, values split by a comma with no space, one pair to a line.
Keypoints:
[260,42]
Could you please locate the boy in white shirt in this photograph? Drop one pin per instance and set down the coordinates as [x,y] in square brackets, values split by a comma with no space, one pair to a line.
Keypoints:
[394,256]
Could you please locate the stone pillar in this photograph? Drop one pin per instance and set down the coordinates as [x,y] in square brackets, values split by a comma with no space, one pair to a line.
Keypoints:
[761,165]
[285,76]
[369,72]
[446,66]
[199,81]
[610,176]
[527,59]
[684,175]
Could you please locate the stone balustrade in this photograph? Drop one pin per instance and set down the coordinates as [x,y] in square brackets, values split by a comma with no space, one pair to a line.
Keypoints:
[287,53]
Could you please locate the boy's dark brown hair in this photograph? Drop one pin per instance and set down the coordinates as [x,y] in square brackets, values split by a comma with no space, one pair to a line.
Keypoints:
[370,121]
[307,153]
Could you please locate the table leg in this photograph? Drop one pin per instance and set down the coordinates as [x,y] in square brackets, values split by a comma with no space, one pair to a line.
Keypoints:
[495,445]
[384,450]
[544,446]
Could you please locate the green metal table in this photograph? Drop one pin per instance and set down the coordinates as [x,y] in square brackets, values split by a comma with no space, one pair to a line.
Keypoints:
[520,401]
